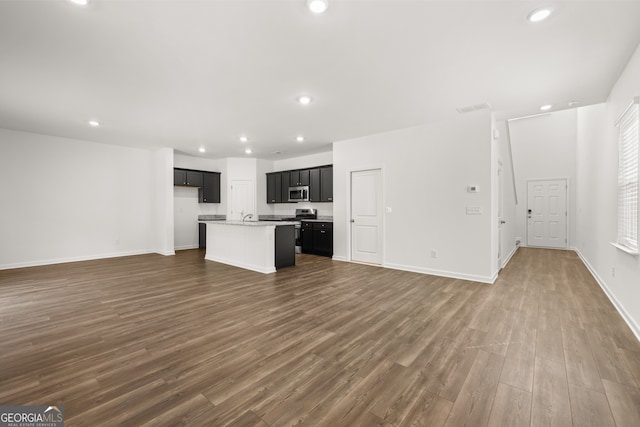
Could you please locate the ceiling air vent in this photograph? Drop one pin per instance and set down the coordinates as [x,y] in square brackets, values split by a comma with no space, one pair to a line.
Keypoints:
[470,108]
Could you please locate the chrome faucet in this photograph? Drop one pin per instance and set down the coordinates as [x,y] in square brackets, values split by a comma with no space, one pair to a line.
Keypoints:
[247,216]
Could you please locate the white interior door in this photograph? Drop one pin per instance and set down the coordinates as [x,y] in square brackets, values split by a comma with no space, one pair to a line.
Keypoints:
[366,216]
[242,199]
[547,213]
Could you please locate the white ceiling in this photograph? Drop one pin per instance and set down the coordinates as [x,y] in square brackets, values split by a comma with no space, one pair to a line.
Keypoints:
[186,74]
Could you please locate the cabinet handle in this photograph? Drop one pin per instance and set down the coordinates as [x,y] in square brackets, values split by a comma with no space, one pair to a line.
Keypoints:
[322,231]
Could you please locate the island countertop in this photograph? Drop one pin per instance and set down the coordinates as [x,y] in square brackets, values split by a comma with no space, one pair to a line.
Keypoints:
[251,223]
[261,246]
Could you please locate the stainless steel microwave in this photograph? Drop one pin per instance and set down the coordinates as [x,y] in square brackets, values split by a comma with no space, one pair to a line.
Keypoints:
[299,194]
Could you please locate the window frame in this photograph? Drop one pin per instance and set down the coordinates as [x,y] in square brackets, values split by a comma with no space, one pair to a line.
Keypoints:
[628,178]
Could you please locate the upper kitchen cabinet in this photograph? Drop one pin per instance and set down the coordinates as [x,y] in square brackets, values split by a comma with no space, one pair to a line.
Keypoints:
[299,177]
[314,185]
[187,178]
[326,184]
[286,178]
[274,187]
[210,190]
[319,180]
[179,177]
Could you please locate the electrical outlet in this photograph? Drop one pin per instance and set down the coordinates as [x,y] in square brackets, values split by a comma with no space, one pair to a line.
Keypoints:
[434,254]
[613,272]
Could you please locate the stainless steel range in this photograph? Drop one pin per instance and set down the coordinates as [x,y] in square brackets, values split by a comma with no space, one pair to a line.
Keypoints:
[302,214]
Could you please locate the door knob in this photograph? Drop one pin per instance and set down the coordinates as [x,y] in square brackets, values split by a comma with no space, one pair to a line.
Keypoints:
[353,220]
[503,221]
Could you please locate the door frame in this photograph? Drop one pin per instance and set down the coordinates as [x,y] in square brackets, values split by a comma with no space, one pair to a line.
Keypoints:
[349,173]
[567,210]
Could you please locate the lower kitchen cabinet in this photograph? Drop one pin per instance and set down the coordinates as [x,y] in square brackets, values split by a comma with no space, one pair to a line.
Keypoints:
[317,238]
[202,235]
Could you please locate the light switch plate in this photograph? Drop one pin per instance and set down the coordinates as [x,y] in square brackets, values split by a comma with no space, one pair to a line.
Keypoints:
[474,210]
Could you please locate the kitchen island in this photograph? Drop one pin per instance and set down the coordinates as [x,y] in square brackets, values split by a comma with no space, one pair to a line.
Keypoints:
[261,246]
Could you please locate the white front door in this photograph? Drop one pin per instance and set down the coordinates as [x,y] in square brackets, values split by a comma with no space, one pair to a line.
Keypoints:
[366,216]
[547,213]
[242,199]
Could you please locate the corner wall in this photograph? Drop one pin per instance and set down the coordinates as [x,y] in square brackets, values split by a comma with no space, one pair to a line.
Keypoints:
[544,147]
[617,272]
[426,171]
[69,200]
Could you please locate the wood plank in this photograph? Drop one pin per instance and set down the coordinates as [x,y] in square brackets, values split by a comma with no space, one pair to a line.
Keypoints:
[473,405]
[581,367]
[589,408]
[550,404]
[511,407]
[154,340]
[624,402]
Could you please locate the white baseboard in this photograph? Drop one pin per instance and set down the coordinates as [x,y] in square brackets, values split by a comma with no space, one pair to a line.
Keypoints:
[635,328]
[38,263]
[452,275]
[340,258]
[166,253]
[182,248]
[511,254]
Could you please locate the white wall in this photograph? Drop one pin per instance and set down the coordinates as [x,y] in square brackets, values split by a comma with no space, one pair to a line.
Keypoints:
[312,160]
[163,201]
[426,171]
[186,207]
[66,200]
[544,147]
[508,240]
[597,196]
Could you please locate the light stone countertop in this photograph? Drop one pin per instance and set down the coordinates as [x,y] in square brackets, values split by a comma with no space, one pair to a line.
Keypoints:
[252,223]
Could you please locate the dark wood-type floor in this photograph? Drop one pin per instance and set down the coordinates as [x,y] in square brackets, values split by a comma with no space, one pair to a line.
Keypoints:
[153,340]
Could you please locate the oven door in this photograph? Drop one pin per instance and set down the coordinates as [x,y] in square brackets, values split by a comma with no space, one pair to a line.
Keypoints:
[299,194]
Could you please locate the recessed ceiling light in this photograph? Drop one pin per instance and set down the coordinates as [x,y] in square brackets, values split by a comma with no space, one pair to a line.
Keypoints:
[304,99]
[299,138]
[317,6]
[243,138]
[94,123]
[546,107]
[80,2]
[201,149]
[248,151]
[539,14]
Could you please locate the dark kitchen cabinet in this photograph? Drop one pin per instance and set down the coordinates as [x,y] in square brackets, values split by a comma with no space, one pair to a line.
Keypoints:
[187,178]
[210,190]
[299,177]
[274,187]
[285,246]
[179,177]
[326,184]
[286,179]
[202,235]
[323,238]
[306,236]
[317,238]
[314,185]
[319,180]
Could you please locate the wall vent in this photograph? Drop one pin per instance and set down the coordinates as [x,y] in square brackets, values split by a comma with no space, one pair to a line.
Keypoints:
[470,108]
